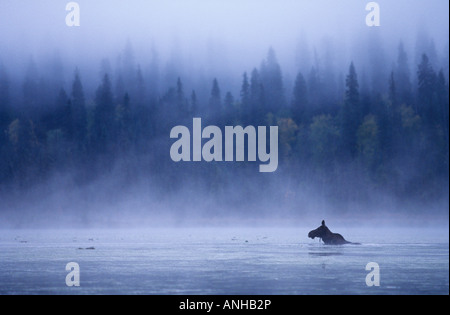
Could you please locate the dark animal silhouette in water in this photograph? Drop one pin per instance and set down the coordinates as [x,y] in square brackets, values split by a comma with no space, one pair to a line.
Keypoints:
[328,237]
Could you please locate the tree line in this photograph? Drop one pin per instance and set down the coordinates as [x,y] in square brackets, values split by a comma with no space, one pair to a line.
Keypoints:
[395,139]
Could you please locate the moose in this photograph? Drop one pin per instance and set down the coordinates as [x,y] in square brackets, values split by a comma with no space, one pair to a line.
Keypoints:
[328,237]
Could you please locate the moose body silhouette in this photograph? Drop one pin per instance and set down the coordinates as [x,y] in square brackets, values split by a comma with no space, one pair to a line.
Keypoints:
[328,237]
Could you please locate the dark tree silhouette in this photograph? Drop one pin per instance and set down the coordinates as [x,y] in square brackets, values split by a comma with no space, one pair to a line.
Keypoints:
[403,85]
[139,90]
[229,109]
[103,124]
[314,88]
[272,81]
[194,104]
[30,89]
[392,90]
[245,100]
[5,111]
[64,116]
[426,91]
[79,113]
[300,110]
[258,100]
[350,114]
[182,107]
[442,94]
[215,101]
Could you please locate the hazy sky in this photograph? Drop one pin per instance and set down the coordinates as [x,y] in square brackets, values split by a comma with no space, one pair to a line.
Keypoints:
[239,31]
[243,22]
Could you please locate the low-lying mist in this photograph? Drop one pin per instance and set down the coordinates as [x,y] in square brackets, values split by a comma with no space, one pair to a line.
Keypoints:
[246,199]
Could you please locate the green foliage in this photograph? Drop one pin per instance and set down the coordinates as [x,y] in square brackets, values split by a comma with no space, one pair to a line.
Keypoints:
[411,122]
[368,142]
[324,140]
[287,131]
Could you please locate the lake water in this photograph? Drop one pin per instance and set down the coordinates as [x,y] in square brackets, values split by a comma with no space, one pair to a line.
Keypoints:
[250,261]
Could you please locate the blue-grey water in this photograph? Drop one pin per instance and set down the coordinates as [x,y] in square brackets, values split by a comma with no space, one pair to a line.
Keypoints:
[223,261]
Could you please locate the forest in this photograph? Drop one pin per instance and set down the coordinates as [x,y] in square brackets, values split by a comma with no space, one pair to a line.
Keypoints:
[347,137]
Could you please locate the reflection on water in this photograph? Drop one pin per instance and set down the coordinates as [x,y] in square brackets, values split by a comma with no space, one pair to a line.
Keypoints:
[321,250]
[325,254]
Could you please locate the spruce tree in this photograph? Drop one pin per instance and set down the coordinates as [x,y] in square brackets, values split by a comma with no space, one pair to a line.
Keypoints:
[228,104]
[245,100]
[103,127]
[300,112]
[350,114]
[403,82]
[194,104]
[314,88]
[442,101]
[139,91]
[5,112]
[427,78]
[215,101]
[257,100]
[63,118]
[245,90]
[124,123]
[30,89]
[180,99]
[272,81]
[79,112]
[392,90]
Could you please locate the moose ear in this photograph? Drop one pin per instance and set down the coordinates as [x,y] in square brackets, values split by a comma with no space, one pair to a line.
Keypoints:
[323,222]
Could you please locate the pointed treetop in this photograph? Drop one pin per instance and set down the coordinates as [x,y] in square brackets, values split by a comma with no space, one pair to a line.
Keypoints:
[352,92]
